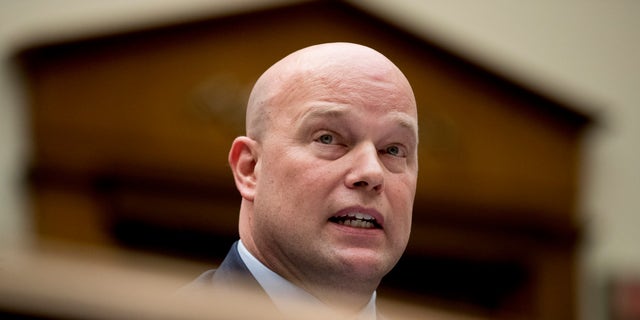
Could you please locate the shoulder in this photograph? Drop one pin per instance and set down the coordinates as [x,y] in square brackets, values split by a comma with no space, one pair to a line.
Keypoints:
[206,277]
[204,281]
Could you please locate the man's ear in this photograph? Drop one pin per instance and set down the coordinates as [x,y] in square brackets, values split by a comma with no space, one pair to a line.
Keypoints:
[243,158]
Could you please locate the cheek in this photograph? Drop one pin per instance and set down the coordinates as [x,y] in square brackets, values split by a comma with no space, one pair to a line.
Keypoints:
[401,197]
[291,177]
[299,168]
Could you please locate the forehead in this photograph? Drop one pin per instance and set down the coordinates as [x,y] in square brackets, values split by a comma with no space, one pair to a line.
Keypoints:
[368,85]
[374,91]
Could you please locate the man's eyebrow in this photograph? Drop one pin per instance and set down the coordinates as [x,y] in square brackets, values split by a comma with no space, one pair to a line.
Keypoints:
[324,112]
[406,121]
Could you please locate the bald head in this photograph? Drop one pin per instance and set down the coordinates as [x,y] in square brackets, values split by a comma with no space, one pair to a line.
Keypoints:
[327,65]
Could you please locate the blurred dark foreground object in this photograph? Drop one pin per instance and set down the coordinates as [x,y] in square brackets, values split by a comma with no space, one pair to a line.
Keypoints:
[85,283]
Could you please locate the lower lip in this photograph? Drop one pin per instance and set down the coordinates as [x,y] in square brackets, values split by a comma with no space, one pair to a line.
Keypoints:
[357,237]
[357,231]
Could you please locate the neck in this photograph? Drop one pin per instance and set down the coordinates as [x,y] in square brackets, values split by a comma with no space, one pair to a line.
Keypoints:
[345,293]
[346,302]
[290,296]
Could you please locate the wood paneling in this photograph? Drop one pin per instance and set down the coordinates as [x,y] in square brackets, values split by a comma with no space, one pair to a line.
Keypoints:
[131,134]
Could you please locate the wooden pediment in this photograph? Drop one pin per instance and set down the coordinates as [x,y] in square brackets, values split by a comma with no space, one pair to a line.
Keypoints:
[131,133]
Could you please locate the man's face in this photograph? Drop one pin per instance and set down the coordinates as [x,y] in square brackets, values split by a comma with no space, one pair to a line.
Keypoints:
[336,179]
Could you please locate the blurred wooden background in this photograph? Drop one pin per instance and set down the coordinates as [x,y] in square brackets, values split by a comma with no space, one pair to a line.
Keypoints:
[130,135]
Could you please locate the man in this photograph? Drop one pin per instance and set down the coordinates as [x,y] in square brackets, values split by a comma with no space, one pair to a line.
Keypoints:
[327,173]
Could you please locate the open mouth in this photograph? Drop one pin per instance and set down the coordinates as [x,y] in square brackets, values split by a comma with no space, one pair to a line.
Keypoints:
[356,220]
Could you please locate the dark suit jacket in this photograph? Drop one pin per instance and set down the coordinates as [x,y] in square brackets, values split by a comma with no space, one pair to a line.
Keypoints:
[231,273]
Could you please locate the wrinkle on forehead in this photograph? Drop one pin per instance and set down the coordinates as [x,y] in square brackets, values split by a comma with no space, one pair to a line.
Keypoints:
[333,65]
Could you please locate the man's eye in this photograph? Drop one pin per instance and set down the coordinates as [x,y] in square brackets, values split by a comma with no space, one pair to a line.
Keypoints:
[394,151]
[325,139]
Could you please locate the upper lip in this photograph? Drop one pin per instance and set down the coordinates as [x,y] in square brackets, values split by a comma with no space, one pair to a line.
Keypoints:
[362,210]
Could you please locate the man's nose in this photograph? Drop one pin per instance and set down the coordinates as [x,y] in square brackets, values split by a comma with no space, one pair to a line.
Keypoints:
[367,172]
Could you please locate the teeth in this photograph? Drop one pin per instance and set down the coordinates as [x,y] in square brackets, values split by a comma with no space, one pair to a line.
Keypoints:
[357,223]
[356,220]
[359,215]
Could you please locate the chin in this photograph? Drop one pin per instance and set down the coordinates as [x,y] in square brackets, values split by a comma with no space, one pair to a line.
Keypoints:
[369,264]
